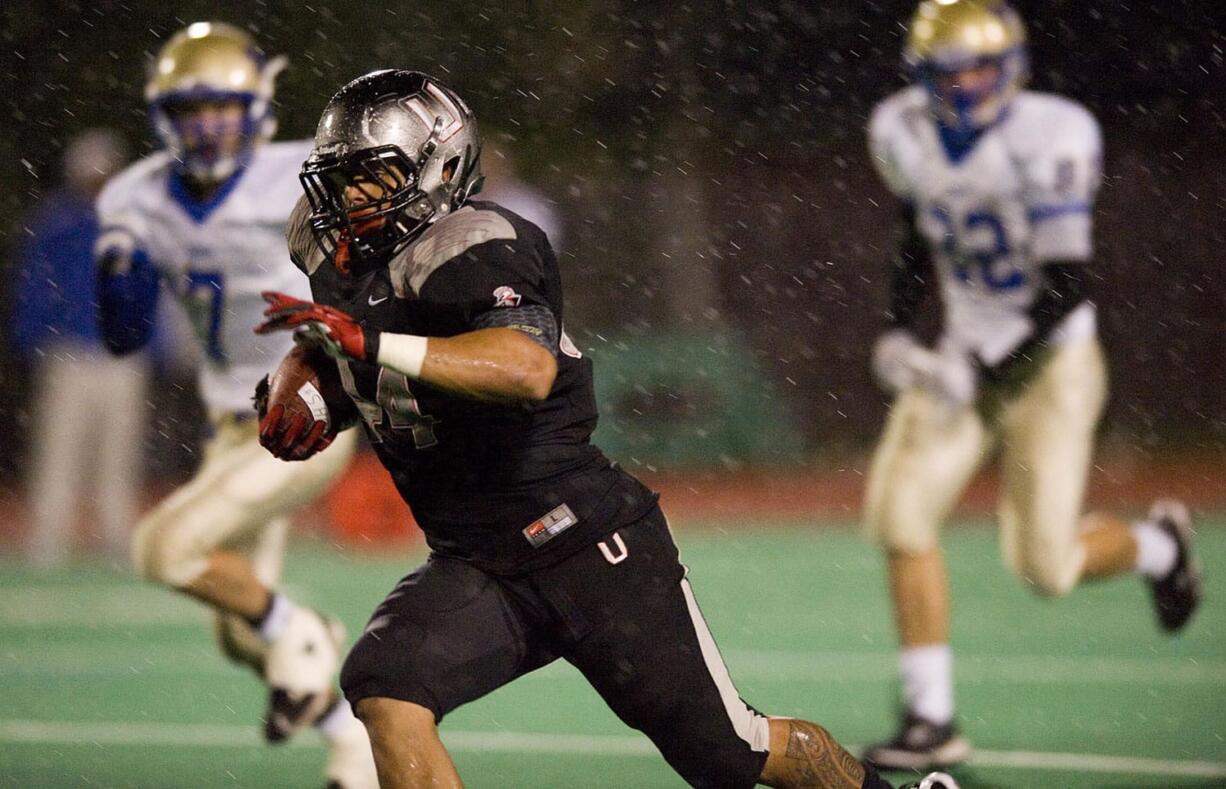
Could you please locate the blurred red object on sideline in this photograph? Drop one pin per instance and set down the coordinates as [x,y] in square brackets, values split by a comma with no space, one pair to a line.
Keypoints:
[365,511]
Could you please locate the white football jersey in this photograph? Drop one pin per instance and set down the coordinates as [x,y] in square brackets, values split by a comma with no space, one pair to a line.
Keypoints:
[216,258]
[1020,197]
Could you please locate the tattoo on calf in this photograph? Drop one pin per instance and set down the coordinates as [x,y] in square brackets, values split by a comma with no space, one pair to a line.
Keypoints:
[814,759]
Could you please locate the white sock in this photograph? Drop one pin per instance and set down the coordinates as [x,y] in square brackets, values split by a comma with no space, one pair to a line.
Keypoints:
[1156,550]
[274,622]
[928,682]
[336,721]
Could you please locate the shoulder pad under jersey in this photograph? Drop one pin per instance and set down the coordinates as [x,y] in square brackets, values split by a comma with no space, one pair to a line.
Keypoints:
[303,250]
[1045,124]
[445,240]
[123,204]
[1057,145]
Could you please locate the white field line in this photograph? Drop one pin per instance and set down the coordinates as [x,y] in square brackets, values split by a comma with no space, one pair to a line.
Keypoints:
[80,657]
[116,606]
[837,667]
[195,735]
[111,606]
[121,608]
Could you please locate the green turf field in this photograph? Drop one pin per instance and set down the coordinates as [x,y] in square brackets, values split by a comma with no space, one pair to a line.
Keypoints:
[106,682]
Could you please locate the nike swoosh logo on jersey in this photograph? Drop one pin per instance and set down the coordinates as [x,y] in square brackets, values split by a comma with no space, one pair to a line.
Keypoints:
[372,301]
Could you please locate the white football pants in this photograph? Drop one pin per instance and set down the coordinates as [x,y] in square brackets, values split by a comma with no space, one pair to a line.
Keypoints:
[240,499]
[928,453]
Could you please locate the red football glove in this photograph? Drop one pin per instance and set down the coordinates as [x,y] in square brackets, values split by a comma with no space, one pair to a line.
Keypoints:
[339,334]
[294,437]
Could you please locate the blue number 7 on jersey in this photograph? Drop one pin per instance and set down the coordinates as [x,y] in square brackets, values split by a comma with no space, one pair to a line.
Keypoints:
[203,298]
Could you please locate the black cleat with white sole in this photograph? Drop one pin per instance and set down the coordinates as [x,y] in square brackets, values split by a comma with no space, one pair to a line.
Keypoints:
[1178,593]
[299,670]
[920,745]
[287,714]
[933,781]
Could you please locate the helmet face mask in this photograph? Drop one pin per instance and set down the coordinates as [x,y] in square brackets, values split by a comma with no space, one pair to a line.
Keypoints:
[364,205]
[205,67]
[971,57]
[211,134]
[394,151]
[975,95]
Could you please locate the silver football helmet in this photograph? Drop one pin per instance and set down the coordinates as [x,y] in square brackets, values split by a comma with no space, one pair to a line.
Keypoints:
[394,151]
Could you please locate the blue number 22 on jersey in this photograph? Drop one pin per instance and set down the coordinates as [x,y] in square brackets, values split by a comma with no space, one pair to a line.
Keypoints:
[971,257]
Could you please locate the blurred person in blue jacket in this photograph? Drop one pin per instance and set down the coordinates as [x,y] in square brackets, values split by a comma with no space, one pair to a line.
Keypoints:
[87,405]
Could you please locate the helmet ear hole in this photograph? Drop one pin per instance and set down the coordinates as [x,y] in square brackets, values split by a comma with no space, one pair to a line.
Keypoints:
[450,167]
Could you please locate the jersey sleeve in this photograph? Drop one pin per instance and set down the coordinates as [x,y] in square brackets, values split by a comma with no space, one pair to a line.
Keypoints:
[477,261]
[122,229]
[1061,184]
[127,280]
[884,128]
[492,276]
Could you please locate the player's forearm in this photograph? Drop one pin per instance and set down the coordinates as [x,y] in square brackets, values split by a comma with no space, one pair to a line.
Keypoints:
[487,364]
[1065,286]
[910,275]
[127,303]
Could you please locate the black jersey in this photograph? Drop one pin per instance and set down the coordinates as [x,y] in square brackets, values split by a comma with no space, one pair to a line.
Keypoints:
[509,487]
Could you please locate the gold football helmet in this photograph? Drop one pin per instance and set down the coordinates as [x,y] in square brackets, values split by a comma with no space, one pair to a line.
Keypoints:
[948,36]
[211,62]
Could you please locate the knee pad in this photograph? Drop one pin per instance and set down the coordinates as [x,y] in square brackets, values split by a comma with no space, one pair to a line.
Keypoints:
[895,515]
[376,668]
[1049,574]
[1049,565]
[165,554]
[356,669]
[890,526]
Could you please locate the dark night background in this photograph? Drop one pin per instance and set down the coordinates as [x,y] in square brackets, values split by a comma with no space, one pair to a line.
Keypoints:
[708,161]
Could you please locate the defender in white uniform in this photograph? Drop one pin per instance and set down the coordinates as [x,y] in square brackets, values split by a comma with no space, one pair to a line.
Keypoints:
[997,186]
[205,219]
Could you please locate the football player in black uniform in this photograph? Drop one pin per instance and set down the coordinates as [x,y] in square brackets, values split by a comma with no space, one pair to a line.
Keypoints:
[444,314]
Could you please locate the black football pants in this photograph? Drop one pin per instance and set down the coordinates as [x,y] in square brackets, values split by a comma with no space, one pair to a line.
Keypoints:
[620,610]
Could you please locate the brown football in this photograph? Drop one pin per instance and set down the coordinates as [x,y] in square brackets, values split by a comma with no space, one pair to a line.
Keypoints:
[308,383]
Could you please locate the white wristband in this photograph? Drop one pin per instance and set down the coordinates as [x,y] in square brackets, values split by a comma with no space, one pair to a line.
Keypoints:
[404,353]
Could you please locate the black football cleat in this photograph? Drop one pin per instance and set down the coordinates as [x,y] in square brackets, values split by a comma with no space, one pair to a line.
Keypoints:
[286,714]
[933,781]
[1178,593]
[920,745]
[299,670]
